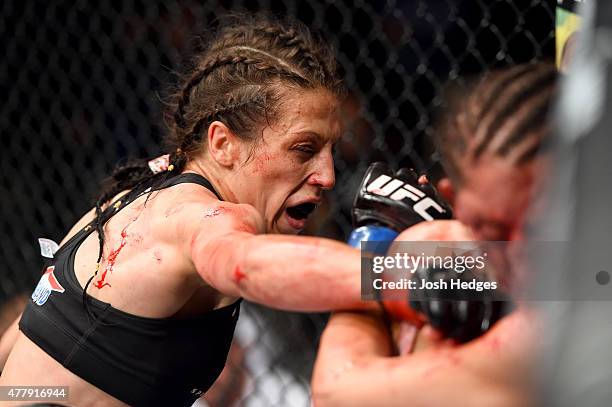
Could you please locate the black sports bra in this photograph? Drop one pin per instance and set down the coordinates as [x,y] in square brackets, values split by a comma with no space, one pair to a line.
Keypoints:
[140,361]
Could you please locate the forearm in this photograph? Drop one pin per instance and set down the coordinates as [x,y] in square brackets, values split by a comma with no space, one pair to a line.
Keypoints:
[353,369]
[391,382]
[288,272]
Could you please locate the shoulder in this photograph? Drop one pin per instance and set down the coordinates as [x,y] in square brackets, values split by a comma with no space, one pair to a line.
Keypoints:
[199,207]
[193,212]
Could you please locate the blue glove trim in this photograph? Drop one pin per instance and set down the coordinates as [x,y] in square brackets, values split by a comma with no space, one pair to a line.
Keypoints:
[373,233]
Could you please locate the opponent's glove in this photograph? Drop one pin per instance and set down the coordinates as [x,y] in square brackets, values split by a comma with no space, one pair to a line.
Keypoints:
[457,314]
[387,203]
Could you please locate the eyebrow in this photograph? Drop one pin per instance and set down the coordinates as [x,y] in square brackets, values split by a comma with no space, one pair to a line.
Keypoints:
[319,137]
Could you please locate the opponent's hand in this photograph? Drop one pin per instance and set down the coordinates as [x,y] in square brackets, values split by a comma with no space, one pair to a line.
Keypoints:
[455,313]
[458,314]
[396,200]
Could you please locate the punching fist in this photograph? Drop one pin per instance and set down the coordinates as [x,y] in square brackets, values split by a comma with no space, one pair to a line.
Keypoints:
[396,200]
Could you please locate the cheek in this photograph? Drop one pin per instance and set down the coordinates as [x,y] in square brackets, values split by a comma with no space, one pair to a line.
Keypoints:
[271,177]
[262,163]
[275,168]
[494,219]
[463,210]
[270,164]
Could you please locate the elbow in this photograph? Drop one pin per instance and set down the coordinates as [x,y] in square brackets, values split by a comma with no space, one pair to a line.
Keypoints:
[324,394]
[334,392]
[327,384]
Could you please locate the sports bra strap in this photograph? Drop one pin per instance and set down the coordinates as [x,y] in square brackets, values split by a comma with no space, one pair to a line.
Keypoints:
[191,178]
[186,178]
[126,199]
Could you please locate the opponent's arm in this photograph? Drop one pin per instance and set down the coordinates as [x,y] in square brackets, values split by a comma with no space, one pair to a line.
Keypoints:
[353,367]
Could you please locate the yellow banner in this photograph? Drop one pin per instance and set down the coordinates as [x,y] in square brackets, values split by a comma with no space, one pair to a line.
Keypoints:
[567,23]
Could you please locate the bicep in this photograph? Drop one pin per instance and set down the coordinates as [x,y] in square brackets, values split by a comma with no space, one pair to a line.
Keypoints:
[214,237]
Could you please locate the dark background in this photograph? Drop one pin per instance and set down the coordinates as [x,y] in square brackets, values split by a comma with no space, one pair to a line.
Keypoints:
[82,85]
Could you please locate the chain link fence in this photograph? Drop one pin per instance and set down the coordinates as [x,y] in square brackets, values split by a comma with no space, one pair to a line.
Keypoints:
[81,84]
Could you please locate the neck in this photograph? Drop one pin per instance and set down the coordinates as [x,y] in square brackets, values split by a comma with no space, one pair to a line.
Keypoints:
[214,176]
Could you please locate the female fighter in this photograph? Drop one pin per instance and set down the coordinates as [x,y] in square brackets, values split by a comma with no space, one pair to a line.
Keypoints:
[491,144]
[139,304]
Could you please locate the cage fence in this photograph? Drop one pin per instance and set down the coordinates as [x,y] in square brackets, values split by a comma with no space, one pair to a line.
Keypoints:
[83,83]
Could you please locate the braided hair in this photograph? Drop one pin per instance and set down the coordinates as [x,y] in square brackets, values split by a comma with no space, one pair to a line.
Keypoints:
[236,77]
[505,113]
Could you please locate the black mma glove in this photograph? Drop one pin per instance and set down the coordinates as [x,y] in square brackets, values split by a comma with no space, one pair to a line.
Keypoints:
[396,200]
[386,204]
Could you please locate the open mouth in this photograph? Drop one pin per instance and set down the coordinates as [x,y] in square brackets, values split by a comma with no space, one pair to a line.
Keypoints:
[301,211]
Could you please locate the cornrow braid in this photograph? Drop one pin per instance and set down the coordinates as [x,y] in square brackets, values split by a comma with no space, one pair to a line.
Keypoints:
[504,113]
[530,84]
[231,59]
[495,86]
[217,112]
[301,51]
[292,38]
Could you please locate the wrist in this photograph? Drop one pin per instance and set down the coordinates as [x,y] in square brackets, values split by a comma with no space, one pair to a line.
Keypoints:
[373,233]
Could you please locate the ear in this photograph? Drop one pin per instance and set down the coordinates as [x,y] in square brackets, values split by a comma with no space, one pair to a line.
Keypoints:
[445,188]
[222,144]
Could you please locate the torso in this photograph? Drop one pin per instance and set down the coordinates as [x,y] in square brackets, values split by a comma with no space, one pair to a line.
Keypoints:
[152,277]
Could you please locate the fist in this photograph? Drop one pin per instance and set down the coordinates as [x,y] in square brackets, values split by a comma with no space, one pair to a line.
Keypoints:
[396,200]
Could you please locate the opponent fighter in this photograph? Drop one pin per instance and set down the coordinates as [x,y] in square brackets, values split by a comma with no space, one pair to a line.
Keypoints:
[491,147]
[140,302]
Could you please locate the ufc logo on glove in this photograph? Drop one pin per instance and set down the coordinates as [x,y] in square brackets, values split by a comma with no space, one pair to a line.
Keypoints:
[397,190]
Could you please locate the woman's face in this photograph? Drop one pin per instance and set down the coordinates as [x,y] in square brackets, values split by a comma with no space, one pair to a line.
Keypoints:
[494,199]
[496,202]
[291,163]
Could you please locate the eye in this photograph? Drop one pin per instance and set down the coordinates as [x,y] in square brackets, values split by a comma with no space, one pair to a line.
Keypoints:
[305,149]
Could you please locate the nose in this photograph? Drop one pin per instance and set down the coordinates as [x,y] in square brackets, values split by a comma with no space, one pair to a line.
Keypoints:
[324,176]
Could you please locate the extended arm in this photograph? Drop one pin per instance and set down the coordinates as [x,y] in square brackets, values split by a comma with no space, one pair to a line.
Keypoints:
[287,272]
